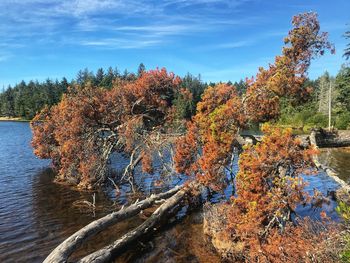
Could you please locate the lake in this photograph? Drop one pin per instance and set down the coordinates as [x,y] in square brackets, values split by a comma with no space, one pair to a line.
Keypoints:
[37,214]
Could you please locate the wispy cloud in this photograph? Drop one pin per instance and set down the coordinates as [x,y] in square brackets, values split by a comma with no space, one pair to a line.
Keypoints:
[111,43]
[238,44]
[250,40]
[47,20]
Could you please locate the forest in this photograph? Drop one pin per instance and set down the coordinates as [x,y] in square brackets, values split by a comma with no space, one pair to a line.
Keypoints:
[24,100]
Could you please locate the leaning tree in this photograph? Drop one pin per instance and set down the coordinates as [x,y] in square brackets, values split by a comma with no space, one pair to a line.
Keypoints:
[89,124]
[258,223]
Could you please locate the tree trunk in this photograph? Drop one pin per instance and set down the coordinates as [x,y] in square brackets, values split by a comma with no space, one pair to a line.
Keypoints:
[68,246]
[107,253]
[325,139]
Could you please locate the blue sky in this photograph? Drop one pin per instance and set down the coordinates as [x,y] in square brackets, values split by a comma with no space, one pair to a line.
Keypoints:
[220,39]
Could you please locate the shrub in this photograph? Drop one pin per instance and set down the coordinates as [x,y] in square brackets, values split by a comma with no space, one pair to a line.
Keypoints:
[343,121]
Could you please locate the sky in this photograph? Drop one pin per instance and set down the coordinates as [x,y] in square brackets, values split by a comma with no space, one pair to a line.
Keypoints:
[219,39]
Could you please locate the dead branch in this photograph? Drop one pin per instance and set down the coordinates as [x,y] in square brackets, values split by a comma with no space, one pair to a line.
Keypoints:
[68,246]
[107,253]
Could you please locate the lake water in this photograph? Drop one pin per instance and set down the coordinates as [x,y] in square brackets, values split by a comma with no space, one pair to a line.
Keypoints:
[37,214]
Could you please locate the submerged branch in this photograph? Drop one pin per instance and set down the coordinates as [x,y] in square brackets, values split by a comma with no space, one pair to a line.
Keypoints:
[107,253]
[67,247]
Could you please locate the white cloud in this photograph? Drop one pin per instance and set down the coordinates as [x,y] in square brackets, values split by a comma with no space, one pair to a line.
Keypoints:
[111,43]
[147,22]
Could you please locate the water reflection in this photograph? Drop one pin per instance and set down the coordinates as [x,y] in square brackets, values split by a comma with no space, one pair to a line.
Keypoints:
[37,214]
[338,159]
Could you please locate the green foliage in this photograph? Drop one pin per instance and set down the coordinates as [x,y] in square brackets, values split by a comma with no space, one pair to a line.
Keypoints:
[141,69]
[302,116]
[184,106]
[314,112]
[345,255]
[344,211]
[196,87]
[241,87]
[342,84]
[25,100]
[343,121]
[347,49]
[317,120]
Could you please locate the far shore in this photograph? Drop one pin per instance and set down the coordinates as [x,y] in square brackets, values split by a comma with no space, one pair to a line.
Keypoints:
[13,119]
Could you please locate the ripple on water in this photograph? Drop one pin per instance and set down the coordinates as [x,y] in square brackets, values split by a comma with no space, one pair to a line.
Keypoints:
[36,214]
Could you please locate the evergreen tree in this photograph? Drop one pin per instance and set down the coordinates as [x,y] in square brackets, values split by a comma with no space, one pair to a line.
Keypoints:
[99,77]
[342,83]
[241,87]
[108,79]
[195,86]
[347,49]
[141,69]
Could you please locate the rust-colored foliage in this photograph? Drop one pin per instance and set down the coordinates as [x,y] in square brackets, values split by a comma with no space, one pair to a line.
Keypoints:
[147,162]
[186,150]
[269,187]
[81,132]
[222,113]
[43,140]
[213,129]
[289,72]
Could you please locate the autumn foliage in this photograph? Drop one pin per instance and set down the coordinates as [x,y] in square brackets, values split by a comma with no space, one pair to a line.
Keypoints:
[136,118]
[221,114]
[80,133]
[213,130]
[269,189]
[286,77]
[269,186]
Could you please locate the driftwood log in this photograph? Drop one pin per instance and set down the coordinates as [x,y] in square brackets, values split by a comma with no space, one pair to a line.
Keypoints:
[321,138]
[62,252]
[330,139]
[107,253]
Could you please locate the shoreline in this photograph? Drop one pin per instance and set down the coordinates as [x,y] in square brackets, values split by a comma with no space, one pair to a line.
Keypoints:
[17,119]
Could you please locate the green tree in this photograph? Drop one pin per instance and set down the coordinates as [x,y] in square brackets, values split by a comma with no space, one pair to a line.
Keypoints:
[195,86]
[85,76]
[108,79]
[347,49]
[99,76]
[141,69]
[7,100]
[241,86]
[342,83]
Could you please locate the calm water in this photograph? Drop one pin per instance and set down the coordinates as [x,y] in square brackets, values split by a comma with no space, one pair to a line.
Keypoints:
[37,214]
[339,160]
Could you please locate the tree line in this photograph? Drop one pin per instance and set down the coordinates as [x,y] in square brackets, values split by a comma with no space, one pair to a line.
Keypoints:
[26,99]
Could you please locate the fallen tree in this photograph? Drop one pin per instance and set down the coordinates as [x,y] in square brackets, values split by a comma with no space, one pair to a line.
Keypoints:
[269,186]
[62,252]
[90,123]
[330,139]
[151,224]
